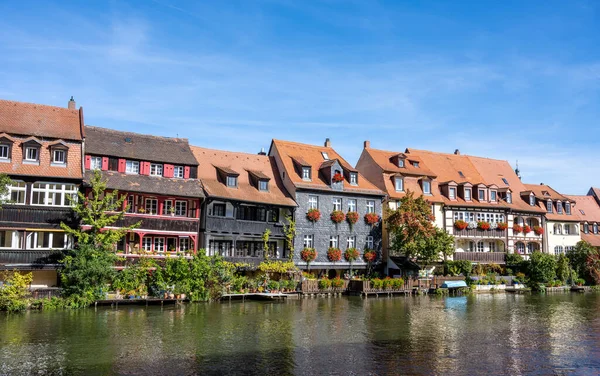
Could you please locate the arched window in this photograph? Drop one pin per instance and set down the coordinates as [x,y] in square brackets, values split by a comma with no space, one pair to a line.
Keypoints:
[567,229]
[557,229]
[586,228]
[520,247]
[531,247]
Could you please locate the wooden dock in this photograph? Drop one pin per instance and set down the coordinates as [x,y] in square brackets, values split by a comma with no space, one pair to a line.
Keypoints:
[144,302]
[259,296]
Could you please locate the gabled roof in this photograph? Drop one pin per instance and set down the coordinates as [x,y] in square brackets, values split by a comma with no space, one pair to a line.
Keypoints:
[545,192]
[149,184]
[589,206]
[261,166]
[312,155]
[385,159]
[129,145]
[227,170]
[29,119]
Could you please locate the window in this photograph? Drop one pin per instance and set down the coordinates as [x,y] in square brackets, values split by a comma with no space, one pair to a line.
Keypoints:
[16,191]
[531,247]
[370,206]
[219,210]
[461,174]
[509,197]
[156,169]
[251,213]
[567,229]
[351,242]
[4,151]
[325,155]
[147,244]
[274,215]
[399,184]
[313,202]
[306,173]
[31,154]
[557,229]
[96,163]
[532,200]
[337,203]
[59,156]
[132,167]
[151,206]
[308,241]
[415,164]
[334,241]
[559,208]
[452,193]
[480,247]
[505,181]
[595,227]
[427,187]
[351,205]
[493,196]
[51,194]
[549,206]
[181,208]
[184,244]
[231,181]
[131,204]
[558,249]
[369,244]
[586,228]
[11,239]
[263,185]
[353,178]
[467,194]
[400,162]
[492,246]
[159,244]
[168,207]
[43,239]
[581,211]
[481,193]
[520,247]
[568,208]
[178,172]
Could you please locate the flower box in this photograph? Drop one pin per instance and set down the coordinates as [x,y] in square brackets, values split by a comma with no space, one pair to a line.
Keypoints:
[517,229]
[502,226]
[526,229]
[371,218]
[539,230]
[337,177]
[338,216]
[460,224]
[313,215]
[482,225]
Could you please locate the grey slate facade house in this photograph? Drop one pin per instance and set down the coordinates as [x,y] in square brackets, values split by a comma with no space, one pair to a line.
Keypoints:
[319,178]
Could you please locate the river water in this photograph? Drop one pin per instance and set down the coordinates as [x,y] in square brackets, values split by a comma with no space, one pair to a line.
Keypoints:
[475,335]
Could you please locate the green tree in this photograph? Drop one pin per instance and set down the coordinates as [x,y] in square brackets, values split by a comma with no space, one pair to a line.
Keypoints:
[86,272]
[289,230]
[515,261]
[440,244]
[563,269]
[14,292]
[5,181]
[541,269]
[578,259]
[265,238]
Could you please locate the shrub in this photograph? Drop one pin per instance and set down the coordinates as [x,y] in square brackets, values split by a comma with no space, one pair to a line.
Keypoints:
[337,283]
[338,216]
[397,283]
[324,284]
[313,215]
[376,283]
[580,281]
[273,285]
[334,254]
[387,283]
[14,292]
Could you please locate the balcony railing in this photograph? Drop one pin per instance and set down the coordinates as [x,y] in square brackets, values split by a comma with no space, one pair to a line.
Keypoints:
[160,223]
[237,226]
[482,257]
[38,216]
[471,233]
[19,256]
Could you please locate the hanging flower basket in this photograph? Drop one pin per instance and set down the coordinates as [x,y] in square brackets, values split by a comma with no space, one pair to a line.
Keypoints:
[482,225]
[371,218]
[337,177]
[370,256]
[538,230]
[460,224]
[517,229]
[526,229]
[334,254]
[338,216]
[313,215]
[351,254]
[308,254]
[502,226]
[352,217]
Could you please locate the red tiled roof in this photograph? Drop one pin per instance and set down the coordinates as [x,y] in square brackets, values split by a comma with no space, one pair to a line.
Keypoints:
[589,206]
[593,239]
[29,119]
[545,192]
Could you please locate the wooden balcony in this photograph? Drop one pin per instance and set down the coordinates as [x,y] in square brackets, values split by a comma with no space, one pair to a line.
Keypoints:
[160,223]
[237,226]
[15,216]
[18,256]
[476,233]
[481,257]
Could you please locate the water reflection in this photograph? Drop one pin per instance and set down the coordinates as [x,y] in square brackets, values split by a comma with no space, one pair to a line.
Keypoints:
[483,334]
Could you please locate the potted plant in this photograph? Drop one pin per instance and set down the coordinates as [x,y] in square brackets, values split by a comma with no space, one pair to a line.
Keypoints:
[172,211]
[502,226]
[526,229]
[313,215]
[141,210]
[539,230]
[371,218]
[460,224]
[352,218]
[351,255]
[483,225]
[337,177]
[517,229]
[337,283]
[334,254]
[370,255]
[337,216]
[308,255]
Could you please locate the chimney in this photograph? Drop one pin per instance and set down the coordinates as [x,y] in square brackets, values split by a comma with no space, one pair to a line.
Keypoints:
[71,104]
[327,143]
[457,152]
[367,144]
[262,151]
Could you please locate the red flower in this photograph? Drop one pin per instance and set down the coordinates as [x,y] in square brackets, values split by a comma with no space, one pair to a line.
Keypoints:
[517,229]
[334,254]
[313,215]
[538,230]
[308,254]
[351,254]
[460,224]
[337,177]
[370,256]
[482,225]
[338,216]
[371,218]
[526,229]
[352,217]
[502,225]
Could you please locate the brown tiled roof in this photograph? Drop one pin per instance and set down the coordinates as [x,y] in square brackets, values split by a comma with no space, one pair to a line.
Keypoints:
[29,119]
[128,145]
[227,170]
[150,184]
[259,174]
[593,239]
[242,162]
[384,159]
[591,210]
[544,192]
[312,155]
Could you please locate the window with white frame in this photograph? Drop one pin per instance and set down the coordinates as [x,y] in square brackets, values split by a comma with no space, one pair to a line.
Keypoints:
[370,206]
[337,203]
[557,229]
[568,208]
[351,205]
[559,208]
[400,162]
[59,156]
[369,244]
[549,206]
[53,194]
[481,193]
[351,242]
[452,193]
[509,197]
[4,151]
[159,244]
[399,184]
[595,227]
[181,208]
[178,172]
[353,178]
[531,247]
[426,187]
[32,154]
[11,239]
[151,206]
[493,196]
[131,204]
[156,169]
[558,249]
[467,194]
[263,185]
[308,241]
[232,181]
[147,243]
[520,247]
[16,192]
[567,229]
[96,163]
[306,173]
[168,207]
[480,247]
[48,240]
[184,244]
[132,167]
[313,202]
[334,241]
[532,200]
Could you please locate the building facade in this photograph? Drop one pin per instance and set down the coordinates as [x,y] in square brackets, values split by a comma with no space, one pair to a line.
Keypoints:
[40,150]
[588,213]
[245,197]
[320,180]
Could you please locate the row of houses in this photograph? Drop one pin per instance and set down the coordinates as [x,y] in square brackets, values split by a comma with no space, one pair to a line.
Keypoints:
[189,198]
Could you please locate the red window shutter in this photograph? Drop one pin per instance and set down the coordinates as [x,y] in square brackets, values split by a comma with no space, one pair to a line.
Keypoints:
[186,172]
[168,171]
[88,162]
[104,163]
[121,166]
[145,168]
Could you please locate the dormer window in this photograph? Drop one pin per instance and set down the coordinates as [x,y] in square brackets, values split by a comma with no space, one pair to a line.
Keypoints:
[481,193]
[568,208]
[452,193]
[559,208]
[493,196]
[132,167]
[96,163]
[595,227]
[353,178]
[4,152]
[549,206]
[263,185]
[467,194]
[509,197]
[32,154]
[399,184]
[426,187]
[400,162]
[232,181]
[531,200]
[59,156]
[178,172]
[415,164]
[586,228]
[581,211]
[305,173]
[156,169]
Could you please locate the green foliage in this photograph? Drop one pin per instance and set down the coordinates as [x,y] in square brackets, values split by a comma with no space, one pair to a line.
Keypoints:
[5,181]
[277,266]
[563,269]
[377,283]
[324,284]
[441,292]
[273,285]
[584,259]
[134,279]
[458,267]
[541,269]
[289,230]
[265,238]
[337,283]
[514,261]
[14,292]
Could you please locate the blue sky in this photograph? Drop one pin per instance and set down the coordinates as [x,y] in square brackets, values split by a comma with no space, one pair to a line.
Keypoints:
[508,80]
